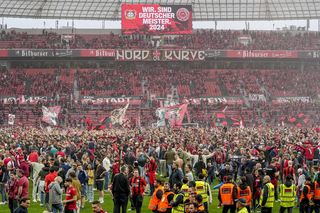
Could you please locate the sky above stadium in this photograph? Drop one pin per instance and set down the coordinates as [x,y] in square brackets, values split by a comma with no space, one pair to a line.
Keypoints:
[80,24]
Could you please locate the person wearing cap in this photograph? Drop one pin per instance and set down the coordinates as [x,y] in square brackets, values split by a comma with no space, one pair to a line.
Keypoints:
[227,195]
[287,195]
[167,197]
[242,205]
[267,195]
[156,196]
[306,198]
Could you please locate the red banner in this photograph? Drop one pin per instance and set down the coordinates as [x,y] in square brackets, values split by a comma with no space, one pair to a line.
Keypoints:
[98,53]
[156,19]
[4,53]
[262,54]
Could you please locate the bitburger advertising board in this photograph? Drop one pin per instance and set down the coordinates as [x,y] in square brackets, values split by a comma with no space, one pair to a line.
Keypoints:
[156,19]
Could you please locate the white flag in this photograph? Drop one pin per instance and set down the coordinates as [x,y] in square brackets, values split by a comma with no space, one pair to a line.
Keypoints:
[117,115]
[50,114]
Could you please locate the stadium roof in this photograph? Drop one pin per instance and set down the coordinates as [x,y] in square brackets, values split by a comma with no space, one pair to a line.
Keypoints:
[203,10]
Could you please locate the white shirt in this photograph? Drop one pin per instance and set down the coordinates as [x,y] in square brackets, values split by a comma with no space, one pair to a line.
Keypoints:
[301,181]
[36,169]
[106,164]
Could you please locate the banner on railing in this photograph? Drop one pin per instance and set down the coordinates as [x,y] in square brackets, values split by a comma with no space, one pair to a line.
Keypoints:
[168,54]
[257,97]
[282,100]
[160,55]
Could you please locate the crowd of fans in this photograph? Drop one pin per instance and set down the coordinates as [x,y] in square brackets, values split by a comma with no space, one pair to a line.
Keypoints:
[147,82]
[160,81]
[84,160]
[200,39]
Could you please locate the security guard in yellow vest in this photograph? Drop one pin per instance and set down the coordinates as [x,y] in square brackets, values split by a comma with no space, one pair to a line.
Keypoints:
[267,195]
[185,188]
[287,195]
[177,202]
[203,188]
[242,205]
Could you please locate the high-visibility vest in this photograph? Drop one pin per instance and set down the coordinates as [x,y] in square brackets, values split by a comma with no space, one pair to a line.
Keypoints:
[243,210]
[309,193]
[246,193]
[179,208]
[316,191]
[164,204]
[185,188]
[226,191]
[287,195]
[202,189]
[154,201]
[270,199]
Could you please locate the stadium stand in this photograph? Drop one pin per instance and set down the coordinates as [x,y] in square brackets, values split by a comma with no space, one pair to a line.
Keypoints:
[200,39]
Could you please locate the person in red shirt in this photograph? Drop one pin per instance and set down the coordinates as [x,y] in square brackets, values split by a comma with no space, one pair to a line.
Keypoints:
[12,189]
[47,180]
[70,203]
[60,153]
[23,185]
[25,167]
[151,168]
[33,156]
[138,185]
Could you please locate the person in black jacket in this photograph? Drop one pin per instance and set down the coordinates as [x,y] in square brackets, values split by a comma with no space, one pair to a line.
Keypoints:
[24,205]
[120,190]
[176,175]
